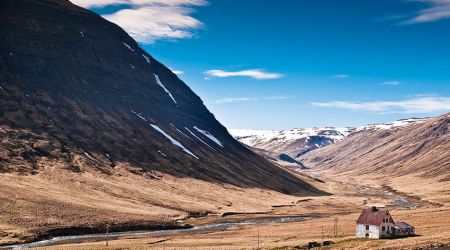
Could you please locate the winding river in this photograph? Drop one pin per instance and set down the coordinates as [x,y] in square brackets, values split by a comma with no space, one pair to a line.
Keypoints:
[114,235]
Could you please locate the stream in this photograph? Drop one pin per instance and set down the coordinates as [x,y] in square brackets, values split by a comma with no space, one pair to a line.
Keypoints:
[114,235]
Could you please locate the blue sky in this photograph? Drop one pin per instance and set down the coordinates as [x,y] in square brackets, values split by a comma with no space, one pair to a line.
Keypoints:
[287,63]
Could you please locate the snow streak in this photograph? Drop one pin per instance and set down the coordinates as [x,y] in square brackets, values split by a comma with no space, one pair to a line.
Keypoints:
[128,46]
[209,135]
[158,81]
[192,133]
[173,141]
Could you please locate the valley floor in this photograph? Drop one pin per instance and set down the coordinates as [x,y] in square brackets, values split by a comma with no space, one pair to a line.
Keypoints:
[428,211]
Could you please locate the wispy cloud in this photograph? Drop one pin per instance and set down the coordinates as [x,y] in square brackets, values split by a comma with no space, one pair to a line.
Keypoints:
[341,76]
[247,99]
[278,97]
[437,10]
[391,83]
[149,20]
[252,73]
[235,99]
[410,106]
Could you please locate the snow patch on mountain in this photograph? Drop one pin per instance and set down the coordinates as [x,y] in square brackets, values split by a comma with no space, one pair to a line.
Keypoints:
[252,137]
[181,132]
[300,141]
[158,81]
[210,136]
[128,46]
[147,58]
[138,115]
[395,124]
[173,141]
[198,138]
[87,154]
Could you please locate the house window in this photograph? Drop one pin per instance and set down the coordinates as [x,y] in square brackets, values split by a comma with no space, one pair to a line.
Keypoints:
[383,228]
[367,235]
[367,227]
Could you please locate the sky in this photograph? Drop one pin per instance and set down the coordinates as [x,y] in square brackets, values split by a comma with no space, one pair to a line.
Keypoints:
[299,63]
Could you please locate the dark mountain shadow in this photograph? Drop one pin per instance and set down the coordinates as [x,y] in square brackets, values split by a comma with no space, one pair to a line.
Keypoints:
[73,83]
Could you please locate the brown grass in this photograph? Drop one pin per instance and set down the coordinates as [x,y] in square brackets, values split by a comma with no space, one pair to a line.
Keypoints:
[432,223]
[31,205]
[433,230]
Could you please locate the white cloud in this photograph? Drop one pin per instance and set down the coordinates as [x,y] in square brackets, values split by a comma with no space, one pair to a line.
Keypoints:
[438,10]
[342,76]
[392,83]
[247,99]
[411,106]
[97,3]
[149,20]
[253,73]
[231,100]
[278,97]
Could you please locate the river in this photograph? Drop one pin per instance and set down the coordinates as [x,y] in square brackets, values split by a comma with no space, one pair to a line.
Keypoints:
[60,240]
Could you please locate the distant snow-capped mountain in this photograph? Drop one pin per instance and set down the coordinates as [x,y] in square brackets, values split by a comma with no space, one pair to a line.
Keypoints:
[413,147]
[395,124]
[286,145]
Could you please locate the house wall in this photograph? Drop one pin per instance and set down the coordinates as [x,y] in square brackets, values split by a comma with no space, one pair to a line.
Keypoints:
[373,232]
[389,228]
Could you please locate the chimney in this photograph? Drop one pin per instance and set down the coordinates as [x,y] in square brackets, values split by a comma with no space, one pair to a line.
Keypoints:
[374,209]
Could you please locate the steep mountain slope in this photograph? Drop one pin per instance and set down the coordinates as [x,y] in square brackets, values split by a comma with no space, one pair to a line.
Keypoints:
[81,102]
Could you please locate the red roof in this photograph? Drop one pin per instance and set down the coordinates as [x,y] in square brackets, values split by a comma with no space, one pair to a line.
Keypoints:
[372,216]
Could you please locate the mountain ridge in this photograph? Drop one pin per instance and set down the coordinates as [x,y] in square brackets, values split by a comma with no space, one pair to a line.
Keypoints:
[418,149]
[297,142]
[92,87]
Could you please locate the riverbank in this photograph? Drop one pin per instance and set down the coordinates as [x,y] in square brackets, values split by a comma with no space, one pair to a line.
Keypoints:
[432,226]
[113,235]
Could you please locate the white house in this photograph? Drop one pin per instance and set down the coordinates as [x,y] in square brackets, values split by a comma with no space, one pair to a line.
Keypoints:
[376,223]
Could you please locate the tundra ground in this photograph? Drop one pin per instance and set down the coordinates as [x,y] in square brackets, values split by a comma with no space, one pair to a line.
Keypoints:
[429,212]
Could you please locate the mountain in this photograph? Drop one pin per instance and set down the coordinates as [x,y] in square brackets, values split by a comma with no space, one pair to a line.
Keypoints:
[420,147]
[92,125]
[287,146]
[408,154]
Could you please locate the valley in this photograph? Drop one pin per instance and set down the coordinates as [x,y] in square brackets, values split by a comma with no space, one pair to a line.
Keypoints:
[428,216]
[102,146]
